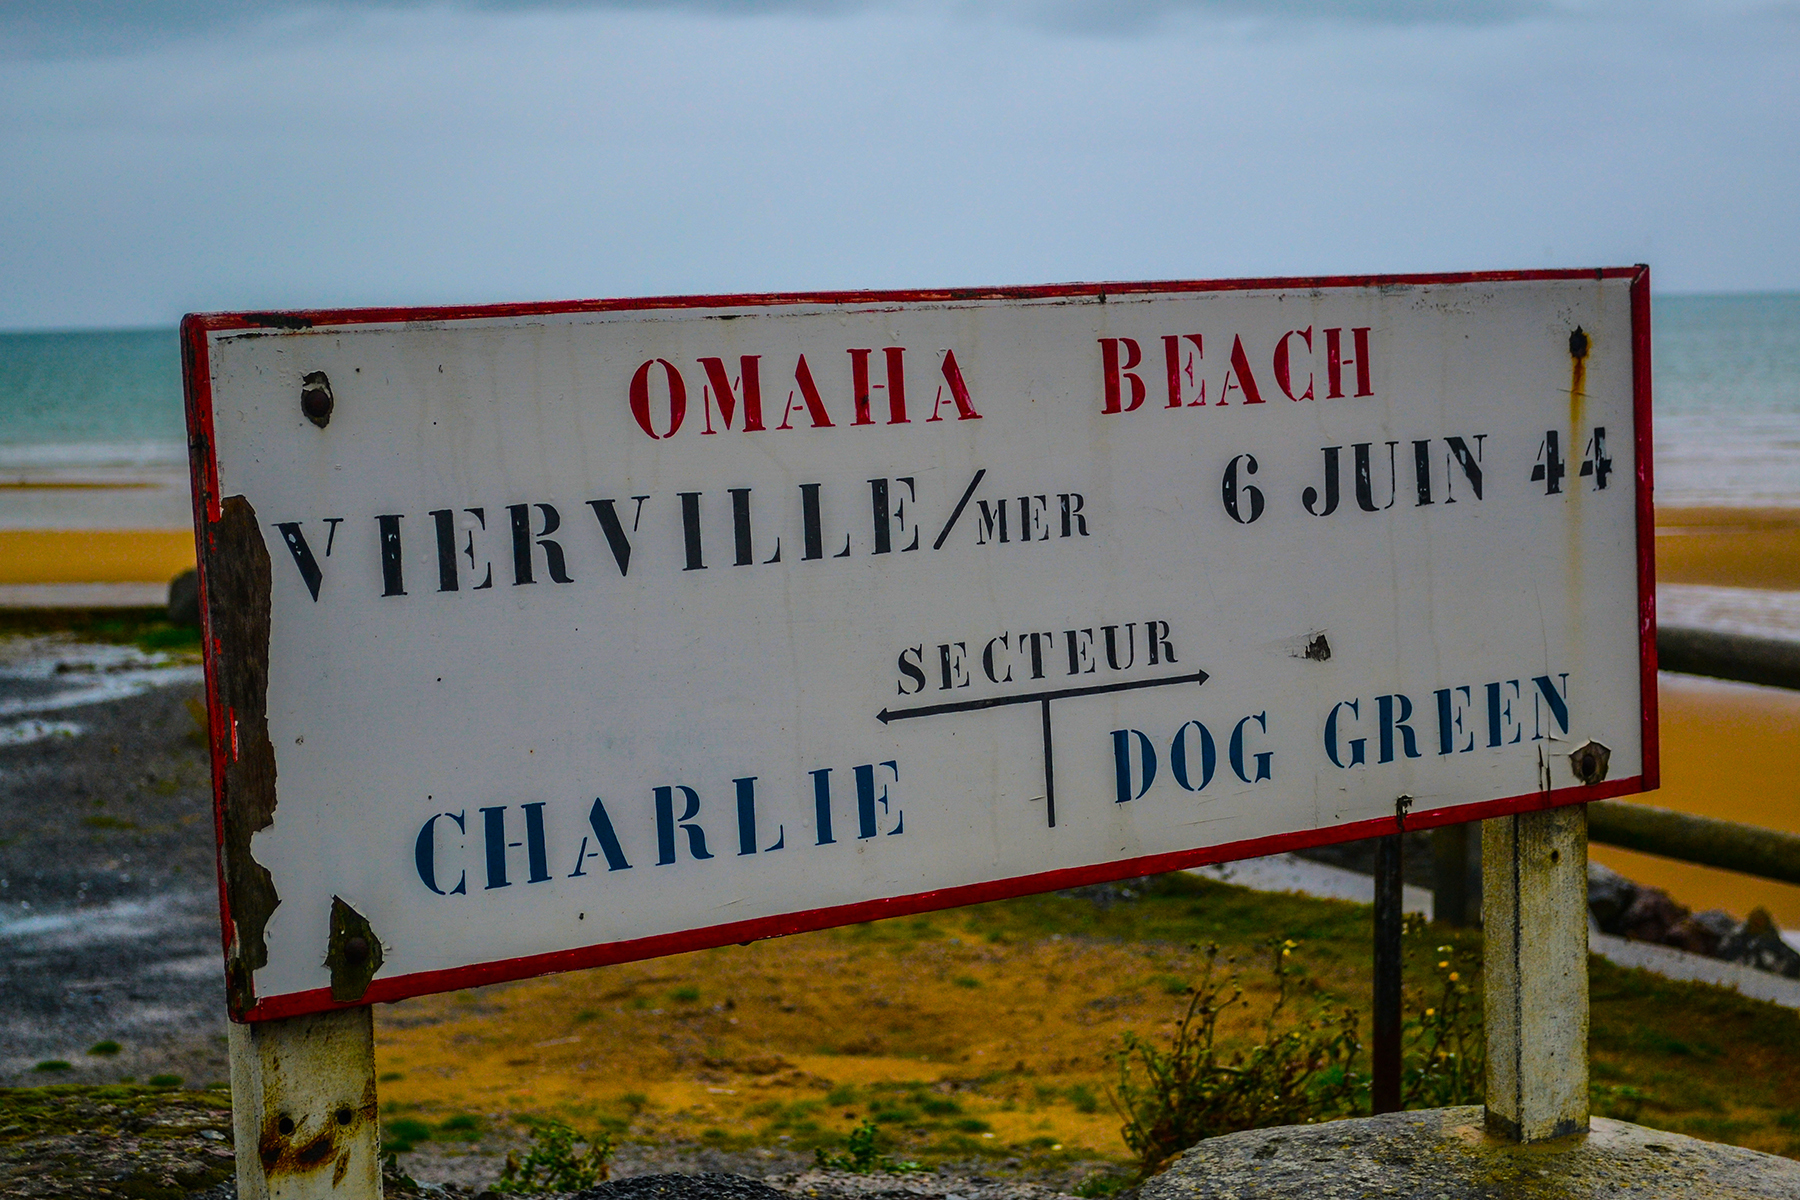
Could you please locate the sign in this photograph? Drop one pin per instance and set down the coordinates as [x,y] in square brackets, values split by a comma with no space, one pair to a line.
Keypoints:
[544,636]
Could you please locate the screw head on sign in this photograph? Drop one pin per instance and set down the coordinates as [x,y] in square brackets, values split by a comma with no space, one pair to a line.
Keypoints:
[1589,761]
[316,401]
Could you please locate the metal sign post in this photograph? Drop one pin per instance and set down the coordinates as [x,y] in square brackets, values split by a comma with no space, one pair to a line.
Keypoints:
[546,636]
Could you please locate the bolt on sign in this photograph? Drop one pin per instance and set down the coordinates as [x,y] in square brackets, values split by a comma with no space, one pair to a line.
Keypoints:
[544,636]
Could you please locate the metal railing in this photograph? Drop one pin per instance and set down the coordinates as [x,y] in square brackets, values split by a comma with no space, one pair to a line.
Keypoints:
[1774,662]
[1707,841]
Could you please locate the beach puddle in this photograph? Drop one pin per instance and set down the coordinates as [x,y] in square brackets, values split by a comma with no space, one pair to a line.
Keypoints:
[50,674]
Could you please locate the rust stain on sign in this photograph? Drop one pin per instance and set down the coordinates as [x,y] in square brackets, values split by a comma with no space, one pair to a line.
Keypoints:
[237,582]
[1579,345]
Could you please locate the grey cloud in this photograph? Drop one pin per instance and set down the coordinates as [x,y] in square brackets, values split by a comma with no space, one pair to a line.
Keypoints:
[61,29]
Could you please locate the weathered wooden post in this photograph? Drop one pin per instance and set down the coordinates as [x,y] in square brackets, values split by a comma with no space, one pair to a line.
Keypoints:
[303,1107]
[1534,912]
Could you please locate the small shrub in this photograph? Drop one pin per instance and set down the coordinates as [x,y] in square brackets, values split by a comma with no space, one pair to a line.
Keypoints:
[972,1125]
[685,995]
[1171,1099]
[53,1064]
[165,1081]
[843,1093]
[105,1049]
[460,1127]
[1622,1102]
[898,1114]
[1083,1098]
[940,1108]
[1444,1051]
[400,1135]
[967,981]
[1101,1184]
[862,1155]
[553,1164]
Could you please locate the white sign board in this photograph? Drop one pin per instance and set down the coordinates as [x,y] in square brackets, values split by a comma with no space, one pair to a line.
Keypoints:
[548,636]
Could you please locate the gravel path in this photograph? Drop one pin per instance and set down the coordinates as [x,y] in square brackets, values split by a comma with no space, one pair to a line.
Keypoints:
[109,928]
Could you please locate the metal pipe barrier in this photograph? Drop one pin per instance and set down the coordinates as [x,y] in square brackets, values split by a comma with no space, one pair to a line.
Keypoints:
[1774,662]
[1708,841]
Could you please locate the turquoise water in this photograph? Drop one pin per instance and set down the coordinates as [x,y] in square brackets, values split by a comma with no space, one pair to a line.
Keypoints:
[76,398]
[1727,387]
[1727,354]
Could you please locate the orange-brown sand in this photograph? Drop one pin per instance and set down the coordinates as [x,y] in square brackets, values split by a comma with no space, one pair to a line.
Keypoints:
[1729,750]
[1729,547]
[94,555]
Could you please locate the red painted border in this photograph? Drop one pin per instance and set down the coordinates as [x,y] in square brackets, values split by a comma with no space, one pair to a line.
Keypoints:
[1646,527]
[204,467]
[311,318]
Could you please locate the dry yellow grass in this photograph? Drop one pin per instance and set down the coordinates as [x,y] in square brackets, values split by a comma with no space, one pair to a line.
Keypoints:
[972,1041]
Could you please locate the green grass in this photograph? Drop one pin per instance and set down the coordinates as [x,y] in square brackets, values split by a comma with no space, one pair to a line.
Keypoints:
[146,628]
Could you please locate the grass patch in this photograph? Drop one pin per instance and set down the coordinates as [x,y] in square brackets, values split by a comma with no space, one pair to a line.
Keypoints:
[914,1052]
[146,628]
[104,1049]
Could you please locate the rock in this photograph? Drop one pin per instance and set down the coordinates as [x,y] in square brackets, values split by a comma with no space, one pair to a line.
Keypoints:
[1609,895]
[1651,916]
[184,599]
[1444,1154]
[1703,932]
[1757,943]
[709,1186]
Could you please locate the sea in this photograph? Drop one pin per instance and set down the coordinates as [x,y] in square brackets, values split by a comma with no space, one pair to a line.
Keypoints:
[104,408]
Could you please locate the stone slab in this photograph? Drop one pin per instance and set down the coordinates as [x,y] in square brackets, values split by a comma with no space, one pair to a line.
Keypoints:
[1444,1154]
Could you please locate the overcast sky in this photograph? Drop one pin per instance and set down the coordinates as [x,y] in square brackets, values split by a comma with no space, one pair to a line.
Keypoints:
[157,158]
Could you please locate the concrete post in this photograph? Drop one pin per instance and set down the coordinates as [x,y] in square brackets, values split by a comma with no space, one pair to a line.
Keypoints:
[1534,912]
[303,1107]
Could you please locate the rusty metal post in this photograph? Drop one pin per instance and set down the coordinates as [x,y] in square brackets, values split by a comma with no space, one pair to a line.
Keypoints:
[303,1107]
[1534,912]
[1385,1040]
